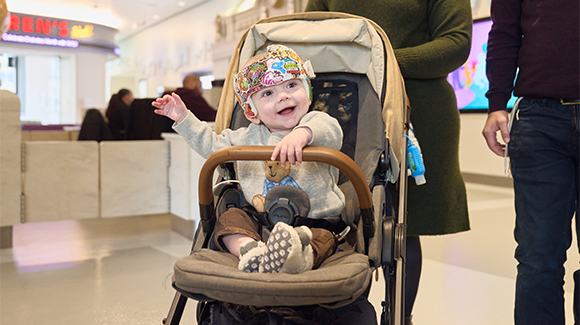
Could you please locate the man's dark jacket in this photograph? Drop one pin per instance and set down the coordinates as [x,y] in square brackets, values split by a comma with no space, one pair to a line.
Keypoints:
[195,103]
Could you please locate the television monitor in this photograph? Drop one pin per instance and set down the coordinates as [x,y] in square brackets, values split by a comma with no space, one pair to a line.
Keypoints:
[469,81]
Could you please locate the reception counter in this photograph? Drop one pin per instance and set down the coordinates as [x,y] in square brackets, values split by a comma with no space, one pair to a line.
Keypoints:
[56,180]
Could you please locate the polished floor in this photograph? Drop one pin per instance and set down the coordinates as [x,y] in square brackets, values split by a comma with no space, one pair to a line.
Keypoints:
[117,271]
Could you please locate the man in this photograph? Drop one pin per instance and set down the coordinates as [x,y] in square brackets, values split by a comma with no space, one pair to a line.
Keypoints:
[541,38]
[190,93]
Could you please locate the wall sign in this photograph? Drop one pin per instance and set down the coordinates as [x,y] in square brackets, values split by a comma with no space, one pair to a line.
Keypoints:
[49,31]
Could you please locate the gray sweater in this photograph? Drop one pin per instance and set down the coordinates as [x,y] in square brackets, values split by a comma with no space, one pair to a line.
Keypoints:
[318,180]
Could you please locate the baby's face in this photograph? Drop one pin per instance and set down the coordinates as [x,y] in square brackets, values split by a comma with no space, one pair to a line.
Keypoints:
[281,107]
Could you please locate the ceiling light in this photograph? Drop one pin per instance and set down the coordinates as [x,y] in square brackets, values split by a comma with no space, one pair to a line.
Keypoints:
[181,3]
[155,16]
[247,4]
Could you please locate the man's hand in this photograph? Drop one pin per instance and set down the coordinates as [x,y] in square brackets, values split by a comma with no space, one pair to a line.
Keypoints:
[496,121]
[291,146]
[171,106]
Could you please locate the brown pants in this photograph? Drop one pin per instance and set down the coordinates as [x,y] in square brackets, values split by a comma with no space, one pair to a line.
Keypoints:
[236,221]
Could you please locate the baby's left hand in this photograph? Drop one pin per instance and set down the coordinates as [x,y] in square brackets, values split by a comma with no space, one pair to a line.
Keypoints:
[171,106]
[290,147]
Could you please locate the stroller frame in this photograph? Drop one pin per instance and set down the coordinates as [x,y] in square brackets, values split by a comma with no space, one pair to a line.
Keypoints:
[383,232]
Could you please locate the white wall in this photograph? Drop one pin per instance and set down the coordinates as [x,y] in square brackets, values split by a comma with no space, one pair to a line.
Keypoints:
[480,8]
[120,82]
[82,82]
[37,104]
[165,52]
[91,80]
[474,155]
[69,109]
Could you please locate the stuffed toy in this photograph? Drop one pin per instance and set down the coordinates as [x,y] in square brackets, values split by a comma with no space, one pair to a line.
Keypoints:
[276,175]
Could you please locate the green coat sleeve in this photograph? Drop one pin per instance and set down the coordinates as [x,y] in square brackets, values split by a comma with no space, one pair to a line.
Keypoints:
[449,23]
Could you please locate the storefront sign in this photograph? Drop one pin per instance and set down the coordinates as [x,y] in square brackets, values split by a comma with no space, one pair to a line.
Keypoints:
[39,30]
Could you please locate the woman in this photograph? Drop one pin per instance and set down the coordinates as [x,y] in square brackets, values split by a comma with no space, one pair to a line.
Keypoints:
[430,39]
[118,113]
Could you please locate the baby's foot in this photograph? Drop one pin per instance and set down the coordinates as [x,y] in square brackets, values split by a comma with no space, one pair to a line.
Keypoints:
[251,254]
[288,250]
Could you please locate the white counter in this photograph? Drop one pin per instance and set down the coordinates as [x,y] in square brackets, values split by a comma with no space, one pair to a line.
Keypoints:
[184,167]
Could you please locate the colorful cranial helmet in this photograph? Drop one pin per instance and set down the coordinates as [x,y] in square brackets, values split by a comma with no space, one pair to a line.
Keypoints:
[281,63]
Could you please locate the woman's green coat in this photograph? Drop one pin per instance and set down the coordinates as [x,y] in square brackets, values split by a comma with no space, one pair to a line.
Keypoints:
[430,38]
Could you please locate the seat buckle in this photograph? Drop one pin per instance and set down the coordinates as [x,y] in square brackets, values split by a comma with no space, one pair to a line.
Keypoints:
[340,236]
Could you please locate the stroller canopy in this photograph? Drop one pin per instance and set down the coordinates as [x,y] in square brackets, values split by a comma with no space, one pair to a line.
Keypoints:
[333,42]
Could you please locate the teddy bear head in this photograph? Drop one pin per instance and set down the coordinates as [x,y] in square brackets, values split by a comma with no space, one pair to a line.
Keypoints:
[275,172]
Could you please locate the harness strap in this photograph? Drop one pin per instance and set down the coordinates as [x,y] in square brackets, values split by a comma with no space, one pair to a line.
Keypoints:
[335,225]
[261,217]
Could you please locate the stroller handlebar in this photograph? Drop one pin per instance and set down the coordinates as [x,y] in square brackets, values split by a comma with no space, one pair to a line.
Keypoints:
[317,154]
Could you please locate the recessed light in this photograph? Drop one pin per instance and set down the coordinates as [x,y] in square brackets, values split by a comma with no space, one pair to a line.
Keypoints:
[181,3]
[155,16]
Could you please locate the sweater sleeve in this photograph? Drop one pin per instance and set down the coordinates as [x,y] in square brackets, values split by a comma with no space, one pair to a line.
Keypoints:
[325,129]
[200,136]
[505,40]
[449,23]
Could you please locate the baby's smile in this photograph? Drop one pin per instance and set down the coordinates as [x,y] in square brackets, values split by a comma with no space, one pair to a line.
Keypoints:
[287,110]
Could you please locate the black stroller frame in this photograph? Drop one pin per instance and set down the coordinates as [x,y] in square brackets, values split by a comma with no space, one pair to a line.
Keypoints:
[380,229]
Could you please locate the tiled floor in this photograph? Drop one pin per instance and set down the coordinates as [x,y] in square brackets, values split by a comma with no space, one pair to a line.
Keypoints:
[117,271]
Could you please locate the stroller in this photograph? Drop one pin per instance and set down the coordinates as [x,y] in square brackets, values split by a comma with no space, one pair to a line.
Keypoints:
[359,83]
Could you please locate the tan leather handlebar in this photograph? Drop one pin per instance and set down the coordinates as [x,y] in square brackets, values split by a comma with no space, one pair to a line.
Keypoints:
[261,153]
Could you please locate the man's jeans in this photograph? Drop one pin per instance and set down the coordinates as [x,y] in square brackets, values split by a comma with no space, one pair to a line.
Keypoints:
[544,164]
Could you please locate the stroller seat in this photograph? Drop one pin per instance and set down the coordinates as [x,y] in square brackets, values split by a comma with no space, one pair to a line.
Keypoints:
[215,276]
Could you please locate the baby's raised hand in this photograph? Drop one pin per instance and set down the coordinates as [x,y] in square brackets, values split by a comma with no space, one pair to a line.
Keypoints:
[171,106]
[290,147]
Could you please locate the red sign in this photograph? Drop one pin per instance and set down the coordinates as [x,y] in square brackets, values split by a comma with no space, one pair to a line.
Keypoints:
[53,27]
[41,30]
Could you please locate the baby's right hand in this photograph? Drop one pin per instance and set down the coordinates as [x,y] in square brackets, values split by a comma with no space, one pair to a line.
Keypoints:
[171,106]
[291,145]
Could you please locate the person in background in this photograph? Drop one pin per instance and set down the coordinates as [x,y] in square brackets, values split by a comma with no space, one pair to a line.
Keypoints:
[191,95]
[430,38]
[541,39]
[94,127]
[118,113]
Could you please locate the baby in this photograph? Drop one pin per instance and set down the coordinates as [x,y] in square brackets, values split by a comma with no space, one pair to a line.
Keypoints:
[273,89]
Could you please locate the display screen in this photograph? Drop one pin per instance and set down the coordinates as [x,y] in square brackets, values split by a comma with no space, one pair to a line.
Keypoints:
[469,81]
